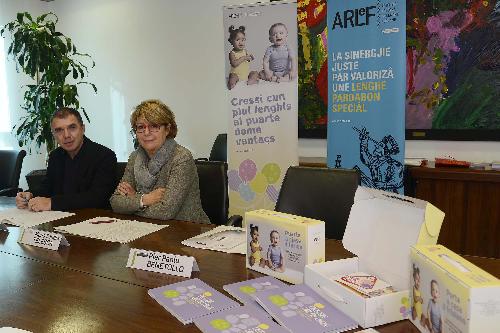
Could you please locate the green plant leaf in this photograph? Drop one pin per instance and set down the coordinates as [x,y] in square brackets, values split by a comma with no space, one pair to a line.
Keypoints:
[49,58]
[20,17]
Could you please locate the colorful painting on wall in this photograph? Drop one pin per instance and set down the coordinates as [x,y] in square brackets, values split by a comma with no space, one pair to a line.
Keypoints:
[453,66]
[312,68]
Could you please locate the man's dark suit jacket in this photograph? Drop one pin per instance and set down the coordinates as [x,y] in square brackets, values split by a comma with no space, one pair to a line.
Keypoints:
[94,177]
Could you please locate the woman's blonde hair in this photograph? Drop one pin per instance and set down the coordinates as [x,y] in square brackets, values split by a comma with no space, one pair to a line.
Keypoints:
[155,112]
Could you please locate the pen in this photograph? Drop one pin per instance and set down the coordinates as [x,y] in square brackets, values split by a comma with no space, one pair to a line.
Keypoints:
[23,197]
[102,221]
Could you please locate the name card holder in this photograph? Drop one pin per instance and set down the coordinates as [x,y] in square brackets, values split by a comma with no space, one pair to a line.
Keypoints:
[160,262]
[45,239]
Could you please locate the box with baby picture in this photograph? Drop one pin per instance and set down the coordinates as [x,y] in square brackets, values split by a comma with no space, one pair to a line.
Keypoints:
[372,288]
[450,294]
[282,244]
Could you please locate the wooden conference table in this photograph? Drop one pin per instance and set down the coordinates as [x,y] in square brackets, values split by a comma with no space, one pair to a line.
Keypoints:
[87,288]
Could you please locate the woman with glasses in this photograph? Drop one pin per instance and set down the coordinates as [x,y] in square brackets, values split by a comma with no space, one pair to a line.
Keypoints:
[160,179]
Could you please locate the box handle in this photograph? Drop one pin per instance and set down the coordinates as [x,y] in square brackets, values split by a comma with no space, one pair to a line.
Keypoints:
[332,294]
[399,198]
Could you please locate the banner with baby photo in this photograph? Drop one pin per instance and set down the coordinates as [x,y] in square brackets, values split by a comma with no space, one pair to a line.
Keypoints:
[366,84]
[260,47]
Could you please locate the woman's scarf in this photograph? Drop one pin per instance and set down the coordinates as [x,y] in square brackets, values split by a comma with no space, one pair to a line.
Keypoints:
[147,170]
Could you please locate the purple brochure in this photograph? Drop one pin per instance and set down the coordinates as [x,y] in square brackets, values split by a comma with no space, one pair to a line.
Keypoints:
[243,291]
[242,319]
[191,299]
[300,309]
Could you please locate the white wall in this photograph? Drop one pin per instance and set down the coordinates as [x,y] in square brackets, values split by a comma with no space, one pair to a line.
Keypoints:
[173,50]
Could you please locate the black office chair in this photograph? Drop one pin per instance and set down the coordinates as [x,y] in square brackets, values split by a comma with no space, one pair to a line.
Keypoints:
[35,179]
[11,162]
[212,177]
[319,193]
[219,149]
[120,170]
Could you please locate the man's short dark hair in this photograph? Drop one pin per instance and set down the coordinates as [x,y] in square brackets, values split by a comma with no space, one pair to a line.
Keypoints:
[64,112]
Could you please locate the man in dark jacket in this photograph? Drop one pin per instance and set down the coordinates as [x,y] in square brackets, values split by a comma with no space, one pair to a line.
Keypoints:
[80,174]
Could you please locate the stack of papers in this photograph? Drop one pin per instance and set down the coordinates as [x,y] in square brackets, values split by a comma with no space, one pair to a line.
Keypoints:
[366,284]
[297,308]
[191,299]
[26,218]
[111,229]
[222,238]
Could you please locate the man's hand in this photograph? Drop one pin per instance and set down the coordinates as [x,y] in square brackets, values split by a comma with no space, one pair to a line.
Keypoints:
[153,197]
[40,204]
[126,189]
[22,199]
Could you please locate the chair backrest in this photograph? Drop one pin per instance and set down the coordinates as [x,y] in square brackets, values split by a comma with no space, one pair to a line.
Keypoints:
[320,193]
[212,176]
[35,180]
[11,162]
[119,171]
[219,148]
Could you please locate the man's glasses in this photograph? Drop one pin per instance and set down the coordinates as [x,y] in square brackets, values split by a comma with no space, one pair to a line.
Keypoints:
[153,128]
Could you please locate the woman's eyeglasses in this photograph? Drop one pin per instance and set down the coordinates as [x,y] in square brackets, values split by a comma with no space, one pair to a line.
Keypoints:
[153,128]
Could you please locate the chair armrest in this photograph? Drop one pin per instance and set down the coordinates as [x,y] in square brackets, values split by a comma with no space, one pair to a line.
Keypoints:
[235,221]
[10,192]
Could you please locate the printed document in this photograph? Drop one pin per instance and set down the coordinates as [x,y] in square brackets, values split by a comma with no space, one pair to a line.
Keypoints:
[111,229]
[27,218]
[222,238]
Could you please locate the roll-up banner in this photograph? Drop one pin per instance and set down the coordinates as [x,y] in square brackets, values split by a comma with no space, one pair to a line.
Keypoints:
[366,83]
[260,46]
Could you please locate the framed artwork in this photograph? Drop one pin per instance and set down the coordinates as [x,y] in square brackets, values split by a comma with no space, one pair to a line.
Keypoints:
[453,67]
[312,68]
[453,70]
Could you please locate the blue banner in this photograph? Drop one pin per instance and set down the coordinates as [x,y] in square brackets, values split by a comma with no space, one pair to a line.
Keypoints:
[366,84]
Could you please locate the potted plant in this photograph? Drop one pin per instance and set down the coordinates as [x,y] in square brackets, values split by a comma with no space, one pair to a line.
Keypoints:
[50,59]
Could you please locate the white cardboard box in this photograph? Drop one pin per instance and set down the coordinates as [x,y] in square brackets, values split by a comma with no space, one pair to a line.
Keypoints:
[466,298]
[381,228]
[299,240]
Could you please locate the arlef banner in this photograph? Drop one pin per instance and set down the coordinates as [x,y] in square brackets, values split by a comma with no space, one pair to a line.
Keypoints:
[366,83]
[261,77]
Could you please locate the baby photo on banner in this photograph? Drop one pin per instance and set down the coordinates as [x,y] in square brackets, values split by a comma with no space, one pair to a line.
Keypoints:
[366,84]
[260,47]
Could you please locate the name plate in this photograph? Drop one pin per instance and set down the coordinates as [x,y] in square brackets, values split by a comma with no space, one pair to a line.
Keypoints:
[44,239]
[160,262]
